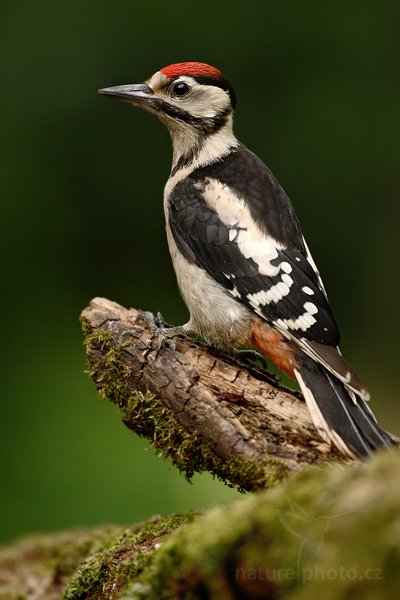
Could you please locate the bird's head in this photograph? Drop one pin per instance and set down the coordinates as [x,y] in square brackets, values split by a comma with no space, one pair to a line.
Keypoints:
[192,99]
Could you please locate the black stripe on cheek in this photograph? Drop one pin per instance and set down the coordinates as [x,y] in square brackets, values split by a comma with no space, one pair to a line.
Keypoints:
[216,123]
[213,124]
[178,113]
[205,124]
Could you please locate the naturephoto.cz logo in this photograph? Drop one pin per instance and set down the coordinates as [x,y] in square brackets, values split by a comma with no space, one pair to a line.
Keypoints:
[310,533]
[307,574]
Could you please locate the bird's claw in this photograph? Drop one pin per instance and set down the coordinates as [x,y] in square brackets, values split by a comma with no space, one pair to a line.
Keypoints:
[153,322]
[162,334]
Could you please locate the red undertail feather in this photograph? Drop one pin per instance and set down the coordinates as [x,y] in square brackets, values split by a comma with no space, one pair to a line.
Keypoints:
[194,69]
[275,347]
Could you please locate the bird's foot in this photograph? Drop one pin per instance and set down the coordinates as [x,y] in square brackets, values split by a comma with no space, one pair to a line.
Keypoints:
[250,356]
[162,334]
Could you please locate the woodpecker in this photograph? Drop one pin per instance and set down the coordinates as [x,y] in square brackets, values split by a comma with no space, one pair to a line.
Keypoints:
[242,265]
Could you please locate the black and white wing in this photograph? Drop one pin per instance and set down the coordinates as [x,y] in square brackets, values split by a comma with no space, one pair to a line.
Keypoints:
[233,220]
[247,238]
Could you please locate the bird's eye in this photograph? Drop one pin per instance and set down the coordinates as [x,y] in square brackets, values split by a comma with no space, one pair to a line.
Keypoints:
[180,89]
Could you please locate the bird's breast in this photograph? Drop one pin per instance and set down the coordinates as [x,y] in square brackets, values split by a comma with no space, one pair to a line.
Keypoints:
[214,313]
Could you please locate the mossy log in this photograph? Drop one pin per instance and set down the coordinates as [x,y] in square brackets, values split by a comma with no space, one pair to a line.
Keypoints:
[332,532]
[332,528]
[197,405]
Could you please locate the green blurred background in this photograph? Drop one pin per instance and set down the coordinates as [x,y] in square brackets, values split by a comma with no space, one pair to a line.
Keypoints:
[81,192]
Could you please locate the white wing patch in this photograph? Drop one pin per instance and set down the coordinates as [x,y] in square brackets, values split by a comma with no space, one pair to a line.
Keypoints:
[274,294]
[260,249]
[255,244]
[311,308]
[302,322]
[307,290]
[285,266]
[251,241]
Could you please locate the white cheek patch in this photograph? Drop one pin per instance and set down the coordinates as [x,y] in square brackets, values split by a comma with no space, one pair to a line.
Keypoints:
[206,102]
[203,101]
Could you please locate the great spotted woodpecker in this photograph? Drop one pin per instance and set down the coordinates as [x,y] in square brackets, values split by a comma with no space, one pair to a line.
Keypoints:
[242,265]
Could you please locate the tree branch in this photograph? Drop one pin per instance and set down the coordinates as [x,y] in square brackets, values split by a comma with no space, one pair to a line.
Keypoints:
[198,406]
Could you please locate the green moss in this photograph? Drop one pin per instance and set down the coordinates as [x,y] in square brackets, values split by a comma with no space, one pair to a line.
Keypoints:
[108,573]
[148,417]
[111,372]
[330,531]
[83,564]
[333,530]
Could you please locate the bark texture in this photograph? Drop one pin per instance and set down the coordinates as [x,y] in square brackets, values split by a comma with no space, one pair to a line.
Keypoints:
[332,529]
[198,406]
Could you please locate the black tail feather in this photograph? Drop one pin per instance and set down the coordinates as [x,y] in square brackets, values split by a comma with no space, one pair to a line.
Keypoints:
[339,414]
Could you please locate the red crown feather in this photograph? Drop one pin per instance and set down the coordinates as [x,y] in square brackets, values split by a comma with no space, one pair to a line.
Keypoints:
[195,69]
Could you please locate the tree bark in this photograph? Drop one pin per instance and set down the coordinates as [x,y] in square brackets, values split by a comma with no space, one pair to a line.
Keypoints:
[332,530]
[199,406]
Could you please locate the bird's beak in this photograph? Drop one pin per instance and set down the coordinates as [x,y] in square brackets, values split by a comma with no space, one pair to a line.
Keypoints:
[139,93]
